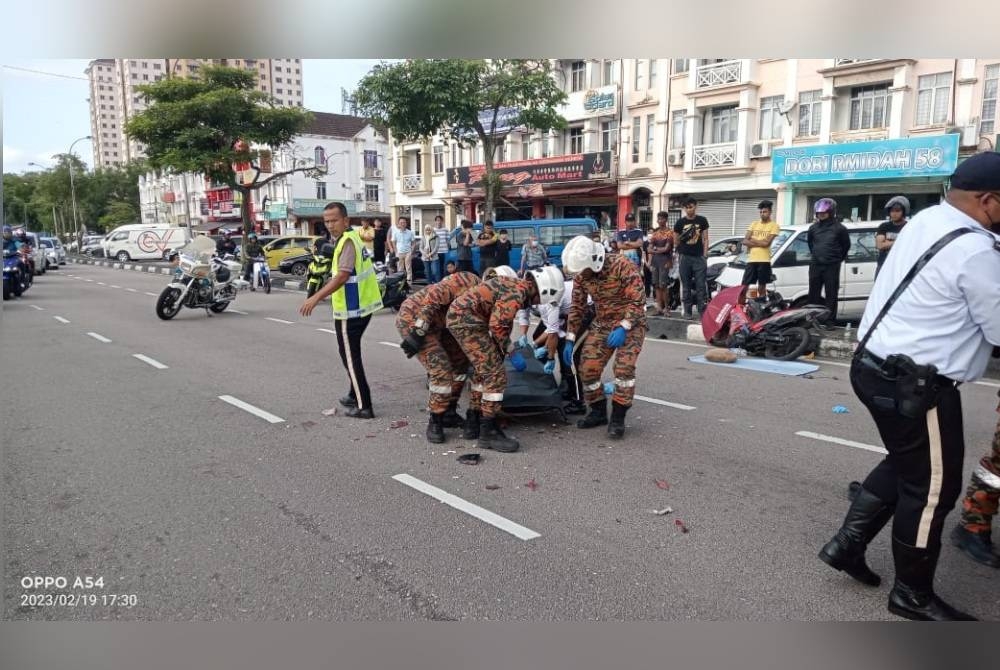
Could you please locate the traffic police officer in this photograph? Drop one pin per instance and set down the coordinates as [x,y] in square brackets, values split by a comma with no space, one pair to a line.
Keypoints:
[355,297]
[949,318]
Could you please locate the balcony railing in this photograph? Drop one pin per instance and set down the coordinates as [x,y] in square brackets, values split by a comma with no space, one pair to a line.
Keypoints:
[852,61]
[713,155]
[413,182]
[719,74]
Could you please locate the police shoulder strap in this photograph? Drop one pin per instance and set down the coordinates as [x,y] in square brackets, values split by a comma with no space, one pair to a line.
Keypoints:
[914,271]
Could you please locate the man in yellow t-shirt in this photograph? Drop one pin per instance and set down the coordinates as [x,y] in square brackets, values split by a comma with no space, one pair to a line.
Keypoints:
[758,240]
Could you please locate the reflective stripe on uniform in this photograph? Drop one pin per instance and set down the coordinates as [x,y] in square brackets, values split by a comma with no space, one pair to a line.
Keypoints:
[934,483]
[361,277]
[986,477]
[592,387]
[461,378]
[440,389]
[493,397]
[624,383]
[478,388]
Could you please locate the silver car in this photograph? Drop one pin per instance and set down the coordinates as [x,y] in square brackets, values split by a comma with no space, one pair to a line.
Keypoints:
[55,254]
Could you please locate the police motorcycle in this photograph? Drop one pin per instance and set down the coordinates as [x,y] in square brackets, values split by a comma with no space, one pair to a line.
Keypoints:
[14,274]
[201,280]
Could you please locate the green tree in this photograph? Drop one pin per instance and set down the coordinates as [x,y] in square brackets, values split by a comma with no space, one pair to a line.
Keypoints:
[471,101]
[207,123]
[117,213]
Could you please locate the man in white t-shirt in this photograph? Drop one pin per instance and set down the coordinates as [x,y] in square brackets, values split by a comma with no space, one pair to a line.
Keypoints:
[401,245]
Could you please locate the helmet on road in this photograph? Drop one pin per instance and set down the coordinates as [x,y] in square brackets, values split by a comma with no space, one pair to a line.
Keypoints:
[550,283]
[500,271]
[581,253]
[825,205]
[900,201]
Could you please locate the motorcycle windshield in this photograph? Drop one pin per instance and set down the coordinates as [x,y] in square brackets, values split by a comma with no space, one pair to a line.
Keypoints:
[201,249]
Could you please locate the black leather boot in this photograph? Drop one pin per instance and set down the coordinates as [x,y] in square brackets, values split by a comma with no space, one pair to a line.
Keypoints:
[616,427]
[598,415]
[977,546]
[912,595]
[435,429]
[472,424]
[852,490]
[348,401]
[451,418]
[867,515]
[491,437]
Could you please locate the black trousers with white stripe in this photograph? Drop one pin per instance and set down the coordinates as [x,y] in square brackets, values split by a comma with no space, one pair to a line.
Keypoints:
[349,332]
[922,474]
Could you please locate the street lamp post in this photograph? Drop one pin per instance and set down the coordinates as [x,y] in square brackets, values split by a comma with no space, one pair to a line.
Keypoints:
[72,187]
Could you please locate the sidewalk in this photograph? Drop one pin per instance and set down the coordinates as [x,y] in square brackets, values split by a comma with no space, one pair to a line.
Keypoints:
[156,267]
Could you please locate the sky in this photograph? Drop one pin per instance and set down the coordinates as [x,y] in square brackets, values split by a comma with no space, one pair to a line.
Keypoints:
[44,113]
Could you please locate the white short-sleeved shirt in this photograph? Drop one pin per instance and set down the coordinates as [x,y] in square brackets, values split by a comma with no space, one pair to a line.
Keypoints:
[949,316]
[552,315]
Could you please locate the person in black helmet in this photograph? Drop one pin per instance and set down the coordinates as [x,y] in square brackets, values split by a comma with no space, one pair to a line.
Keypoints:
[829,243]
[898,209]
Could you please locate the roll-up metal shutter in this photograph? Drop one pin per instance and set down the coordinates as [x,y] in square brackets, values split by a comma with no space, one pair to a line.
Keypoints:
[719,213]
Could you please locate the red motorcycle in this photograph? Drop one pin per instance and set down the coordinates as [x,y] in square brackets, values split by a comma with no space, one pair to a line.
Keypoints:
[760,326]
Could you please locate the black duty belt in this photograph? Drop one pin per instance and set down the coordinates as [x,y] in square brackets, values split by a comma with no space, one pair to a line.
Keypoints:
[889,372]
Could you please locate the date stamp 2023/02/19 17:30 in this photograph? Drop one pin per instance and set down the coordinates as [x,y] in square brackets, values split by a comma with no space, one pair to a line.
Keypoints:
[77,591]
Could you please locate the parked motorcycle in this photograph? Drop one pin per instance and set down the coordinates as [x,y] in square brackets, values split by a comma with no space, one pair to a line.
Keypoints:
[201,281]
[14,275]
[319,270]
[393,286]
[762,327]
[261,274]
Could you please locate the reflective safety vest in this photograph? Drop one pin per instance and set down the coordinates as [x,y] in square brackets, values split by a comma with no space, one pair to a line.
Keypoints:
[361,295]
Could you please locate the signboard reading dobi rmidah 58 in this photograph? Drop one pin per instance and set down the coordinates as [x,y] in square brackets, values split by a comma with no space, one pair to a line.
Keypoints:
[934,156]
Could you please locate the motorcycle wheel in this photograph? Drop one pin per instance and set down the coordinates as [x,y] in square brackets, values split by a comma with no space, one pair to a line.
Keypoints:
[219,307]
[797,340]
[167,305]
[6,288]
[267,284]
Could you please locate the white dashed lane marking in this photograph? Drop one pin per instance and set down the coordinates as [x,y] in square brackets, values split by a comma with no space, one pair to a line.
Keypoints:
[146,359]
[60,319]
[657,401]
[495,520]
[247,407]
[841,441]
[99,337]
[271,318]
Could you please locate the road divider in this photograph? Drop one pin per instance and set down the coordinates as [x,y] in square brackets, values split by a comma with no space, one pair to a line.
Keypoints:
[481,513]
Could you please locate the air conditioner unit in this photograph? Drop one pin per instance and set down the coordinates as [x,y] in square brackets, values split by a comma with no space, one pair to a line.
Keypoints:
[377,173]
[675,158]
[970,134]
[359,195]
[760,150]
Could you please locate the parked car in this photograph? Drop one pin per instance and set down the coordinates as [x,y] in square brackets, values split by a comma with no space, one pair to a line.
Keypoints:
[144,241]
[55,255]
[790,260]
[285,246]
[93,246]
[37,252]
[552,233]
[724,251]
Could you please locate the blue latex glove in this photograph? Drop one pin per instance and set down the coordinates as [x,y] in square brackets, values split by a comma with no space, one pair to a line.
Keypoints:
[567,354]
[522,341]
[616,338]
[541,353]
[609,388]
[549,367]
[517,360]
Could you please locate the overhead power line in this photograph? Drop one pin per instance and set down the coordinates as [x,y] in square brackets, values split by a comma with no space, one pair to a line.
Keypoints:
[48,74]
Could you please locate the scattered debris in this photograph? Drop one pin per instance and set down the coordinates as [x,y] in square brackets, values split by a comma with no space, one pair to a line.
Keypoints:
[492,487]
[413,434]
[661,512]
[808,377]
[369,436]
[840,409]
[532,485]
[680,524]
[661,483]
[308,424]
[399,423]
[663,337]
[469,459]
[330,412]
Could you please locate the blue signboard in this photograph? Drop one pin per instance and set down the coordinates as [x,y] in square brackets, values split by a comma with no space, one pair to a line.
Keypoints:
[933,156]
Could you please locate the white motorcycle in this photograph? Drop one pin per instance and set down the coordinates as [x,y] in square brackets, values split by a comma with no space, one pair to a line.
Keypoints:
[201,280]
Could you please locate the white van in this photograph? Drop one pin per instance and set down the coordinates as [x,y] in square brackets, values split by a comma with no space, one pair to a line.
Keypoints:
[790,259]
[139,241]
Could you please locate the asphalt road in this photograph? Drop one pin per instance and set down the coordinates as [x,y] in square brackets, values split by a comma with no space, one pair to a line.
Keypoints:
[119,468]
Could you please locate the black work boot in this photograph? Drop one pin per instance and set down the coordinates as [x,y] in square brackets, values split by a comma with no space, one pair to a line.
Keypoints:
[575,407]
[912,595]
[616,427]
[598,415]
[435,429]
[852,490]
[491,437]
[867,515]
[348,401]
[472,424]
[977,546]
[451,418]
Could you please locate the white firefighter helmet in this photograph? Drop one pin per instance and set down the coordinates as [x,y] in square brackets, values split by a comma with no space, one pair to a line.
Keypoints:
[500,271]
[551,284]
[581,253]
